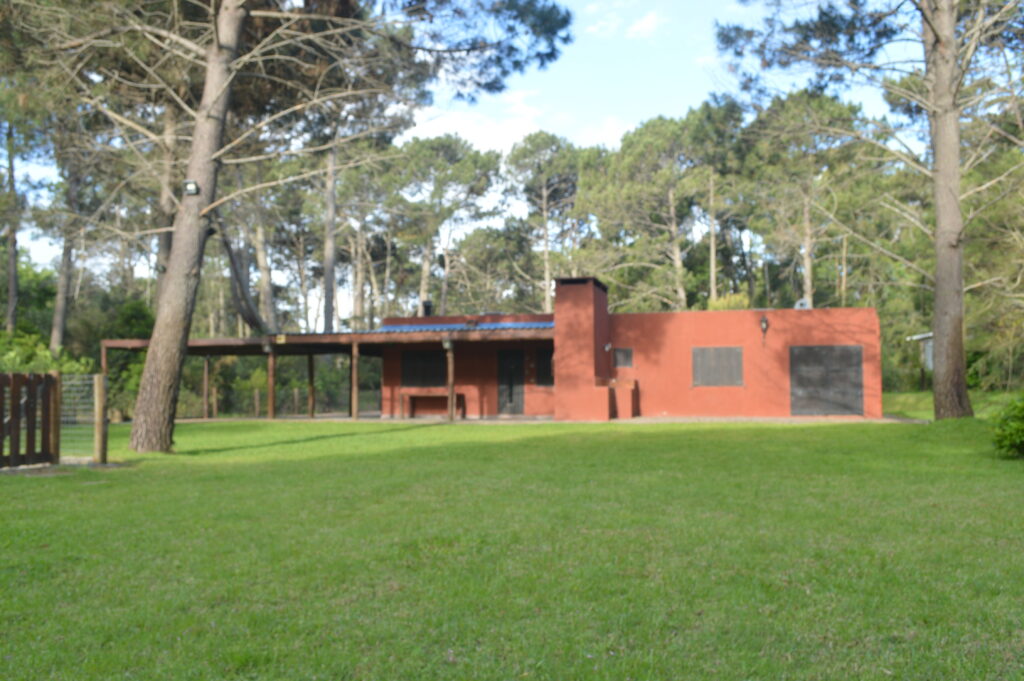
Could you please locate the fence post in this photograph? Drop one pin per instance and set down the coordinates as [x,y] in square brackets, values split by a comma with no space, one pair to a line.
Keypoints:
[99,454]
[31,391]
[4,459]
[15,420]
[55,416]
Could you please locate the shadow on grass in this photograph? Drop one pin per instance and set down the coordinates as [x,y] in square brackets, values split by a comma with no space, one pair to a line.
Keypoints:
[301,440]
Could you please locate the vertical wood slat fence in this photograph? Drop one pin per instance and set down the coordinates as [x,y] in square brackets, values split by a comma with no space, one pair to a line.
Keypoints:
[29,407]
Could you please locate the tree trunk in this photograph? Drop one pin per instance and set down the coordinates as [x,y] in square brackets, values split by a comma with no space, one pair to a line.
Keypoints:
[712,239]
[358,280]
[843,276]
[428,255]
[72,179]
[330,247]
[385,307]
[679,272]
[545,217]
[303,282]
[443,307]
[942,74]
[807,254]
[167,206]
[267,308]
[153,427]
[12,235]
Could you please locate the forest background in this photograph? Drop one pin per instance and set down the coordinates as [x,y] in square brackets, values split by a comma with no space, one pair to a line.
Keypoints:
[329,215]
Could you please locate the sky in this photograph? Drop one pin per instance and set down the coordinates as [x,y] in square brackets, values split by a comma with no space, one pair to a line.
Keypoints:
[630,61]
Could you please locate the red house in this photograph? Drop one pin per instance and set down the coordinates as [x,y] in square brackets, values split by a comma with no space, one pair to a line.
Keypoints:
[582,363]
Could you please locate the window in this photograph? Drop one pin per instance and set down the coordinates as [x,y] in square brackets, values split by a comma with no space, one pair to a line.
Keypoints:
[623,357]
[717,366]
[545,372]
[424,368]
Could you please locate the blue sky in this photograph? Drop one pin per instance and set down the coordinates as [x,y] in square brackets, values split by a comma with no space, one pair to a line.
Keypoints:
[630,61]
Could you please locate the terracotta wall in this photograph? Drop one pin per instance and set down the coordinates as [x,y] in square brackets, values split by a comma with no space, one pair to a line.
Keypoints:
[476,381]
[662,345]
[582,329]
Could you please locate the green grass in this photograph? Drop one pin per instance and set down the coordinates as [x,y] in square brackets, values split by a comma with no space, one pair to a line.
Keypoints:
[422,551]
[919,405]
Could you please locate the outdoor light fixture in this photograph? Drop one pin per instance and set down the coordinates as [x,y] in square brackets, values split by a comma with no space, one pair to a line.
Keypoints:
[446,344]
[191,188]
[764,325]
[607,347]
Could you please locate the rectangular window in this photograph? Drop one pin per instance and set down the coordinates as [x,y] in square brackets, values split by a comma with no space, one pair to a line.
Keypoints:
[623,357]
[424,368]
[545,370]
[717,366]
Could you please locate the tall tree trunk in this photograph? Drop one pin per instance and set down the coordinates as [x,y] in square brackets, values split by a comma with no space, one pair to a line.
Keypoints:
[546,236]
[843,276]
[443,307]
[167,205]
[153,427]
[267,307]
[679,272]
[330,247]
[425,262]
[385,307]
[943,76]
[303,282]
[807,253]
[375,290]
[72,179]
[358,279]
[712,239]
[14,217]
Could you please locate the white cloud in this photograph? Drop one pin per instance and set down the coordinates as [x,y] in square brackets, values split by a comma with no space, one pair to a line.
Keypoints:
[517,119]
[645,26]
[605,27]
[606,132]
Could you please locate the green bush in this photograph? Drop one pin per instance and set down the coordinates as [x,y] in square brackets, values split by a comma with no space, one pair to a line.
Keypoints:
[1009,431]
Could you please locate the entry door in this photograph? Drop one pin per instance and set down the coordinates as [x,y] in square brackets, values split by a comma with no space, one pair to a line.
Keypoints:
[826,379]
[511,376]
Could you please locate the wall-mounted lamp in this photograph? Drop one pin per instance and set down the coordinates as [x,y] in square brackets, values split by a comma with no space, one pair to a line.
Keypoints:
[764,326]
[446,344]
[607,347]
[191,188]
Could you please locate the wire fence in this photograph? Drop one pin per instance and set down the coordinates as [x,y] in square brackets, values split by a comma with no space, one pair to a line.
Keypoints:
[237,388]
[77,415]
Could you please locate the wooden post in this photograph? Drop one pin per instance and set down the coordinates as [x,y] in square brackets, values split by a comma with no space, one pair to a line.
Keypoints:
[4,459]
[99,449]
[295,400]
[56,407]
[449,351]
[103,358]
[353,377]
[256,402]
[310,387]
[46,409]
[215,401]
[271,385]
[206,387]
[31,392]
[15,421]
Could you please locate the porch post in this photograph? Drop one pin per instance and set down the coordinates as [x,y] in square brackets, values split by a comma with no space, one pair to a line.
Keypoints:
[271,385]
[354,382]
[310,387]
[206,387]
[449,351]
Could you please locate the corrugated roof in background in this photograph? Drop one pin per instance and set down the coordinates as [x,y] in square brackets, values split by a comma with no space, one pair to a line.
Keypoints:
[482,326]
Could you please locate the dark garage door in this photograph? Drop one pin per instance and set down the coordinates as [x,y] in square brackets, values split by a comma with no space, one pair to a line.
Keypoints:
[826,379]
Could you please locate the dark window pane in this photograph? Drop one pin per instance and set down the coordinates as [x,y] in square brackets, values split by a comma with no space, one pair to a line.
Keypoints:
[545,370]
[826,379]
[717,366]
[623,357]
[423,368]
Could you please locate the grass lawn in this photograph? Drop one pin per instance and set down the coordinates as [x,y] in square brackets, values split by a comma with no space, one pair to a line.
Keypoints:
[919,405]
[422,551]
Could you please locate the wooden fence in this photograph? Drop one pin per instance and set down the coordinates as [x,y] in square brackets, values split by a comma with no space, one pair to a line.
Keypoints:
[30,413]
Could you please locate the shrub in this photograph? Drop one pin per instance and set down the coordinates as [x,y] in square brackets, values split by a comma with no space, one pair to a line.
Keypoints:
[1009,431]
